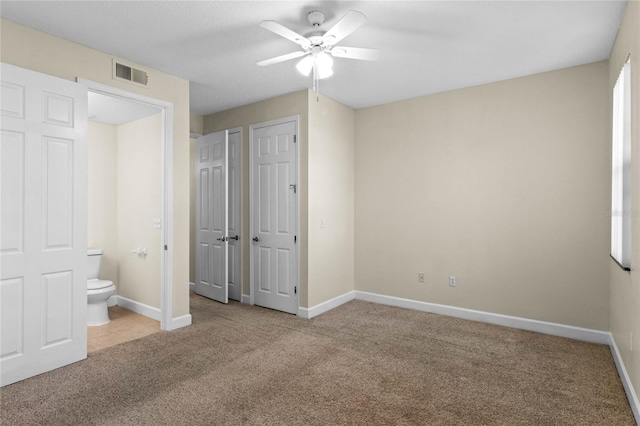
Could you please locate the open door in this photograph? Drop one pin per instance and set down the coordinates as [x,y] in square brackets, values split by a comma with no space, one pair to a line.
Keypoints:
[212,273]
[43,225]
[234,214]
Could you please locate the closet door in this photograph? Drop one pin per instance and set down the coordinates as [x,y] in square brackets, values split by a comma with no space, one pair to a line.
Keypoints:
[274,163]
[234,210]
[212,273]
[43,223]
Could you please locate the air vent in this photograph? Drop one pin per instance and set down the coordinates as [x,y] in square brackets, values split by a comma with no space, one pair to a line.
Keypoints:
[130,74]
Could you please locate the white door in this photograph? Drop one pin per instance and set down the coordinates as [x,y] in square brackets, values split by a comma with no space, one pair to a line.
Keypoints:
[211,222]
[274,216]
[234,215]
[43,225]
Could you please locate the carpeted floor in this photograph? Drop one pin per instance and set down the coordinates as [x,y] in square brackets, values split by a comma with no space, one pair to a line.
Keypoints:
[358,364]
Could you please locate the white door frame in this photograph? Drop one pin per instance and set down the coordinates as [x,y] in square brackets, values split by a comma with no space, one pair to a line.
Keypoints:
[166,198]
[296,119]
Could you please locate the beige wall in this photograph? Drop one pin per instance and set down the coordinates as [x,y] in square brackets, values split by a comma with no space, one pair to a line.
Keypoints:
[331,199]
[271,109]
[196,124]
[625,286]
[504,186]
[102,196]
[139,202]
[124,170]
[37,51]
[192,211]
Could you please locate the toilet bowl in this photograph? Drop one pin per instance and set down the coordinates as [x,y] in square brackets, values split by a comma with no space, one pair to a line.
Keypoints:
[98,291]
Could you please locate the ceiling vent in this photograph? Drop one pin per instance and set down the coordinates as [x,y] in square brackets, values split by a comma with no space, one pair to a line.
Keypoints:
[130,74]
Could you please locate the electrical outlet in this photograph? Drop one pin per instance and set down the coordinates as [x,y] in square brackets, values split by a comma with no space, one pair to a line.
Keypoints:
[452,281]
[420,277]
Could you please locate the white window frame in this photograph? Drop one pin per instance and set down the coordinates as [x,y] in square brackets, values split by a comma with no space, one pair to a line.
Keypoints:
[621,169]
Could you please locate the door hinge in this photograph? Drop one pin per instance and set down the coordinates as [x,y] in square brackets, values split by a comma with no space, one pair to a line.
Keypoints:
[165,247]
[295,138]
[295,239]
[295,290]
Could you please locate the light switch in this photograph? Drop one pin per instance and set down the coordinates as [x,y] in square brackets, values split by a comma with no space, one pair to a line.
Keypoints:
[157,223]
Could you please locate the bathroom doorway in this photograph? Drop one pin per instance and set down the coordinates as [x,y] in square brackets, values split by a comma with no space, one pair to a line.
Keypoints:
[129,205]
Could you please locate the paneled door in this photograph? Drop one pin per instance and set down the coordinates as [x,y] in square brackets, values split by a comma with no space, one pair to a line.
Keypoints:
[211,216]
[274,215]
[234,210]
[219,216]
[43,223]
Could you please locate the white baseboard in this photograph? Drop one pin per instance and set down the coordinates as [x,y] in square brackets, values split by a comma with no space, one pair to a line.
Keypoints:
[192,286]
[139,308]
[323,307]
[632,396]
[245,299]
[179,322]
[554,329]
[153,313]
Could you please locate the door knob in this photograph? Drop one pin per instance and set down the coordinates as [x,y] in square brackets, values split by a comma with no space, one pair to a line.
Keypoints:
[220,239]
[256,239]
[233,238]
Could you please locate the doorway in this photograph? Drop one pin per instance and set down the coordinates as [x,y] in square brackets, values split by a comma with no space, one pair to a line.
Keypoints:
[146,225]
[274,215]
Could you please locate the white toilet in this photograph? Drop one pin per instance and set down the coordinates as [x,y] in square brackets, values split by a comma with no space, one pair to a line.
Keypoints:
[98,291]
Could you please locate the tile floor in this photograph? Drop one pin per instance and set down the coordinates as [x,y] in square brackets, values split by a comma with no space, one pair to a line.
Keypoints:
[124,326]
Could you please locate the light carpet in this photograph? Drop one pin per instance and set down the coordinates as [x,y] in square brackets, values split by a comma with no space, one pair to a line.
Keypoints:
[358,364]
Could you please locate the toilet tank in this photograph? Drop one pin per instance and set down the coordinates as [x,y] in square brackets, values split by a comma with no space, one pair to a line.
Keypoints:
[94,258]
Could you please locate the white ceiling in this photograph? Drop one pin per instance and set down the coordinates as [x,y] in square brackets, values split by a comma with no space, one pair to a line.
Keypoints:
[116,111]
[427,46]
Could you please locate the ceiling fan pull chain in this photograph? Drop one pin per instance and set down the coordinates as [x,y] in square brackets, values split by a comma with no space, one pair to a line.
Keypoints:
[315,76]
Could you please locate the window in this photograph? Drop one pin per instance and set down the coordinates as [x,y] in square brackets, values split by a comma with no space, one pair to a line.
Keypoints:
[621,170]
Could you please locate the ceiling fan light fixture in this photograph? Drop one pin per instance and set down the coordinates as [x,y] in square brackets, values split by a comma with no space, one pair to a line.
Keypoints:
[324,64]
[324,73]
[305,65]
[324,60]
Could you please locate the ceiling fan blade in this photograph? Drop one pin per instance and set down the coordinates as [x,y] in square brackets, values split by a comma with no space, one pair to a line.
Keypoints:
[355,53]
[348,24]
[285,32]
[281,58]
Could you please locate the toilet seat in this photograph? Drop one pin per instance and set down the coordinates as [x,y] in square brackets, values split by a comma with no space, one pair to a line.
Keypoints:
[96,284]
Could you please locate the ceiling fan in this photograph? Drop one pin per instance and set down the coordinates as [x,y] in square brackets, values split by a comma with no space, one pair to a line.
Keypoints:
[319,47]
